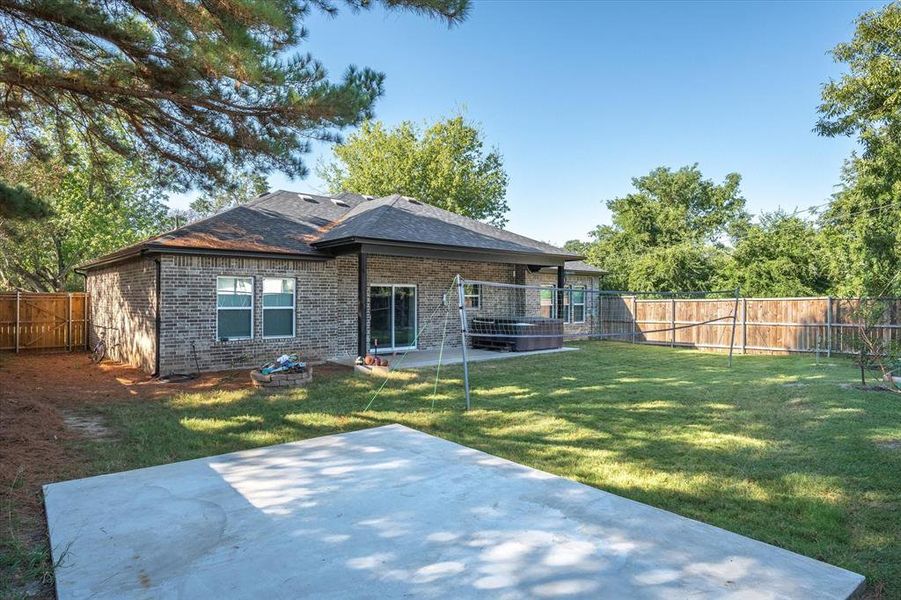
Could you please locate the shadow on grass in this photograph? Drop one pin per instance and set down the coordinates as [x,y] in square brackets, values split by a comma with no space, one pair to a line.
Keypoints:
[774,448]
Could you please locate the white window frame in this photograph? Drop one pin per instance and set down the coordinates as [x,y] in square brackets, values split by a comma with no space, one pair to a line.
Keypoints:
[469,296]
[573,304]
[553,305]
[293,309]
[253,288]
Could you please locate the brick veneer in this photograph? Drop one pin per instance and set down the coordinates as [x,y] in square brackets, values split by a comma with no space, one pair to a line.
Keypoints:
[124,295]
[433,278]
[122,305]
[325,311]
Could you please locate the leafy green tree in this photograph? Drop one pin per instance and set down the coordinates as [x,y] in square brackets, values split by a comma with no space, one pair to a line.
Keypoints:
[861,223]
[445,165]
[88,218]
[247,186]
[668,234]
[192,89]
[782,255]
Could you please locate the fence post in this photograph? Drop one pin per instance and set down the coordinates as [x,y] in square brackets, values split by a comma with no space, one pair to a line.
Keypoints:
[744,325]
[18,324]
[634,318]
[672,320]
[828,326]
[69,322]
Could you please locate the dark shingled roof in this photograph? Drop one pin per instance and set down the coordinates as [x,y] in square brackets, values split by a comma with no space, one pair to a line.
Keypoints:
[308,225]
[579,266]
[402,219]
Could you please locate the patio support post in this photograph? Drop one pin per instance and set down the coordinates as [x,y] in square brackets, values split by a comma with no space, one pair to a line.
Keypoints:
[362,289]
[828,326]
[561,283]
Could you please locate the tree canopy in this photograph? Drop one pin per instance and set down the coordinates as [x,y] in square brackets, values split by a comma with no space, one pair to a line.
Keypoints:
[861,223]
[781,255]
[445,165]
[88,217]
[190,91]
[668,233]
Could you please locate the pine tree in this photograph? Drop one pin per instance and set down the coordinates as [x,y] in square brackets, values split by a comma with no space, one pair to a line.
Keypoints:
[192,90]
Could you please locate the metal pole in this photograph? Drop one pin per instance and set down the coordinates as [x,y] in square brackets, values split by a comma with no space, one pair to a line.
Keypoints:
[672,319]
[828,326]
[734,322]
[18,324]
[744,325]
[463,335]
[634,317]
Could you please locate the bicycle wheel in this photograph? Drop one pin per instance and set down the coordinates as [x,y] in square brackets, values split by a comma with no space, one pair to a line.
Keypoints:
[99,352]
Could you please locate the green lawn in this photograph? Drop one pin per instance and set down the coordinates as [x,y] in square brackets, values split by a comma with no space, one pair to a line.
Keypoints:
[776,448]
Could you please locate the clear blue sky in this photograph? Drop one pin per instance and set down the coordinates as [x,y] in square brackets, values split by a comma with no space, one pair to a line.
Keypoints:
[582,96]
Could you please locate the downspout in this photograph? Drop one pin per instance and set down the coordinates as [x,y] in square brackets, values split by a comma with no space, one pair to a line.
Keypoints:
[159,317]
[87,308]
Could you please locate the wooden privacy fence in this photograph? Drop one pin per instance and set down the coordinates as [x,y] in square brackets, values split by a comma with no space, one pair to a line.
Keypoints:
[762,325]
[43,321]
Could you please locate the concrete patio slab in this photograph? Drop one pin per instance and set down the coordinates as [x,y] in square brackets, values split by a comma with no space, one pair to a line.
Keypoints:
[418,359]
[391,512]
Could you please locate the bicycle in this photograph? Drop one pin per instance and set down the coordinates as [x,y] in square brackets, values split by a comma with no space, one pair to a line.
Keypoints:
[98,352]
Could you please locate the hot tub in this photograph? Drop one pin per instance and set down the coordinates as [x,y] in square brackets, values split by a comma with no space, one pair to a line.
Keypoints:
[516,334]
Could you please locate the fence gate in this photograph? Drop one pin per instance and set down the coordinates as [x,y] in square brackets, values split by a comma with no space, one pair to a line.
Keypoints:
[43,321]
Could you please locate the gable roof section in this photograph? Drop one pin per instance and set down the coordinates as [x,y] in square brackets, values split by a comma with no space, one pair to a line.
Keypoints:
[313,226]
[400,219]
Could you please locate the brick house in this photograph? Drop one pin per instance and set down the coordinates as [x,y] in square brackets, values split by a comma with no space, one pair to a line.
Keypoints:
[320,276]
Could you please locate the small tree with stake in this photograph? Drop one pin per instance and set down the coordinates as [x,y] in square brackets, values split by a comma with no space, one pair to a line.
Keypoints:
[872,348]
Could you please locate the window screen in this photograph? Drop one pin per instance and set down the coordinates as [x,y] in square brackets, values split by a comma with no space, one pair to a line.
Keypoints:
[278,307]
[234,308]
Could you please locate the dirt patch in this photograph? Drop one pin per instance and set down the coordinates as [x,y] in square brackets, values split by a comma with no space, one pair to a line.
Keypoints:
[45,405]
[88,426]
[890,444]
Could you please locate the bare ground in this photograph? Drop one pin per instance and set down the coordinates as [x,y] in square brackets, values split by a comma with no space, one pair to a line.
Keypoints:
[45,404]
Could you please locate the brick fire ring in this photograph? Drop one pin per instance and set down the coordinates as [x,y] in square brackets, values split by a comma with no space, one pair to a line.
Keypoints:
[281,379]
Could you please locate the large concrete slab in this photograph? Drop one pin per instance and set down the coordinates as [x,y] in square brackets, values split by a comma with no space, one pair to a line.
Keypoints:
[391,512]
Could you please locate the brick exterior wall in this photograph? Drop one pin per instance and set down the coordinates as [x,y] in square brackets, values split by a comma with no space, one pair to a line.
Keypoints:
[433,278]
[124,296]
[325,311]
[591,324]
[122,309]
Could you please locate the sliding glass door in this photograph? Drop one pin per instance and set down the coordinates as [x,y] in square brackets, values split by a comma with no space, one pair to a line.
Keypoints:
[392,316]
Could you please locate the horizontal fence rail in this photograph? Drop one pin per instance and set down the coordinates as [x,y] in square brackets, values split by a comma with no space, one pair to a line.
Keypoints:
[43,321]
[763,325]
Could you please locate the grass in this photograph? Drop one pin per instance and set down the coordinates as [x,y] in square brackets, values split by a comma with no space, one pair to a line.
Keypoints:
[776,448]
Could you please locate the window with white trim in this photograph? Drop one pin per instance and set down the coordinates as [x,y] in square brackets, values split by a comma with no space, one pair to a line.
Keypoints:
[578,304]
[234,308]
[472,295]
[547,302]
[278,307]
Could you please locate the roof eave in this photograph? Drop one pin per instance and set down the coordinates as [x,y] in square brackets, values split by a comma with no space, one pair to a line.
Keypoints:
[537,257]
[154,249]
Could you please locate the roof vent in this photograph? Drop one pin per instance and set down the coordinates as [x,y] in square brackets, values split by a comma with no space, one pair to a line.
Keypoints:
[414,201]
[339,202]
[309,199]
[368,197]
